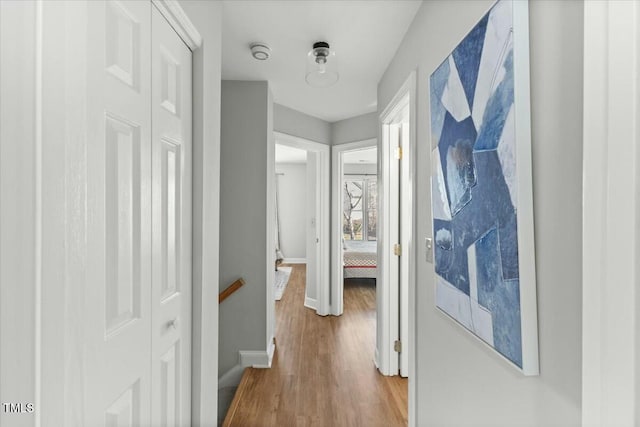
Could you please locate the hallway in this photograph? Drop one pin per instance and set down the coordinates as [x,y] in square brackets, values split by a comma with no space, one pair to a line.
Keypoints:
[323,372]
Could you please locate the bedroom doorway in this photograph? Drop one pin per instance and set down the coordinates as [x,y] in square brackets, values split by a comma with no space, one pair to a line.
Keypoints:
[301,229]
[355,218]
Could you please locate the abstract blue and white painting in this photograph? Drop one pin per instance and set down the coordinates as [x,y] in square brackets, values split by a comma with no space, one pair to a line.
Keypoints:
[475,185]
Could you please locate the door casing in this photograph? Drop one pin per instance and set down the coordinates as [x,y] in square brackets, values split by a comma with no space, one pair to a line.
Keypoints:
[337,180]
[387,303]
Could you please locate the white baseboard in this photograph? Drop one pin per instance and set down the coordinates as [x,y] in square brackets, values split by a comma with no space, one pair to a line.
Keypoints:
[271,350]
[311,303]
[375,359]
[294,261]
[255,359]
[232,377]
[258,359]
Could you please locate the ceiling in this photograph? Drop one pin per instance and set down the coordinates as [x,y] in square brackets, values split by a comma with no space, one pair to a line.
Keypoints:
[285,154]
[367,156]
[364,34]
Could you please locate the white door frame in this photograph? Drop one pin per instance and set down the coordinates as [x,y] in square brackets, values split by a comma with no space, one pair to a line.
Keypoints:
[387,300]
[206,191]
[610,229]
[337,179]
[322,216]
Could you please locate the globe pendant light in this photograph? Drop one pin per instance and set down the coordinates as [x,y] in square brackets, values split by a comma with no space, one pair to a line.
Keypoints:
[321,66]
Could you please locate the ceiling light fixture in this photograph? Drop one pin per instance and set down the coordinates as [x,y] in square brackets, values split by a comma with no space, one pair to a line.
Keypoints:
[321,66]
[260,51]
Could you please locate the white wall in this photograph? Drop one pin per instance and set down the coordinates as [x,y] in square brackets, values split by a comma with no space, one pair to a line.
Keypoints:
[354,129]
[292,209]
[18,192]
[293,122]
[243,204]
[460,381]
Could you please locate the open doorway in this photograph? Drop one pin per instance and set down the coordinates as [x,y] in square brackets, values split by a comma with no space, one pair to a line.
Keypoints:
[355,219]
[360,214]
[291,191]
[301,216]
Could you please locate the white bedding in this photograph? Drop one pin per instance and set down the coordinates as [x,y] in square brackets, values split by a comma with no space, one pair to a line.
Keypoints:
[360,259]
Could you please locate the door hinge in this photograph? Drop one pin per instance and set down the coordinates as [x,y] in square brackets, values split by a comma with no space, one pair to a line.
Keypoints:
[397,249]
[397,346]
[398,153]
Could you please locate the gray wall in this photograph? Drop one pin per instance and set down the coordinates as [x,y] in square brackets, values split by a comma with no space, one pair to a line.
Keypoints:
[243,191]
[355,129]
[292,209]
[460,381]
[293,122]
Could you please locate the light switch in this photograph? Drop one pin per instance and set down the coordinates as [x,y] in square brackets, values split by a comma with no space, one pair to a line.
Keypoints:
[428,243]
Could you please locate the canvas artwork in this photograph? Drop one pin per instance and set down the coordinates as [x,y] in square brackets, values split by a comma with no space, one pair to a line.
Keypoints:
[483,251]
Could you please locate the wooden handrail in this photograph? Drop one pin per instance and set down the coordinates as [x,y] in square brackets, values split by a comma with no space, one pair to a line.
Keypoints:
[231,289]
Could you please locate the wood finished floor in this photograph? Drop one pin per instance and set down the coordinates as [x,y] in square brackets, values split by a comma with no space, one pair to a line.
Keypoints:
[323,372]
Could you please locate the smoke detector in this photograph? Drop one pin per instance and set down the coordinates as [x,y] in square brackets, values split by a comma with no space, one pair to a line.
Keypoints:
[260,51]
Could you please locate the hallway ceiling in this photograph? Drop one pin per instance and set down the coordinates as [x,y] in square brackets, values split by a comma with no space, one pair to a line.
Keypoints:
[364,34]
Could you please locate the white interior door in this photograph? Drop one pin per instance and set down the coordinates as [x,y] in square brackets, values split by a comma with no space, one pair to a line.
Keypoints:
[311,290]
[171,225]
[405,241]
[394,239]
[118,297]
[399,205]
[138,300]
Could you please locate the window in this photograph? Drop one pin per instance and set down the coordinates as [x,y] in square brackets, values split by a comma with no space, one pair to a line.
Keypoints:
[360,208]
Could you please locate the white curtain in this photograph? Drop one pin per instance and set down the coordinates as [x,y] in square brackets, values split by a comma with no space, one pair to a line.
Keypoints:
[279,254]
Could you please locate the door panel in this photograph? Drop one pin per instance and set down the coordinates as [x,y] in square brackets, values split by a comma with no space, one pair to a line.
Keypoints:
[170,386]
[125,411]
[123,177]
[118,297]
[171,223]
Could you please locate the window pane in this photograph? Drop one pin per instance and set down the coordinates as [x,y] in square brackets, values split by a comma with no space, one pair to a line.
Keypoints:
[352,206]
[372,205]
[372,202]
[353,195]
[352,227]
[372,225]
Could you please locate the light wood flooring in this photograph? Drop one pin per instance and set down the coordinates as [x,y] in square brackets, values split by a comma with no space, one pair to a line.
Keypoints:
[323,372]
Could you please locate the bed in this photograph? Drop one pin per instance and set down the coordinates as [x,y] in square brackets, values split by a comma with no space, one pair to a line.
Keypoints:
[360,259]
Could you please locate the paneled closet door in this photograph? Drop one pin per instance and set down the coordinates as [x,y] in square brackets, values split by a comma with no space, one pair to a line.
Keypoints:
[118,310]
[171,226]
[137,330]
